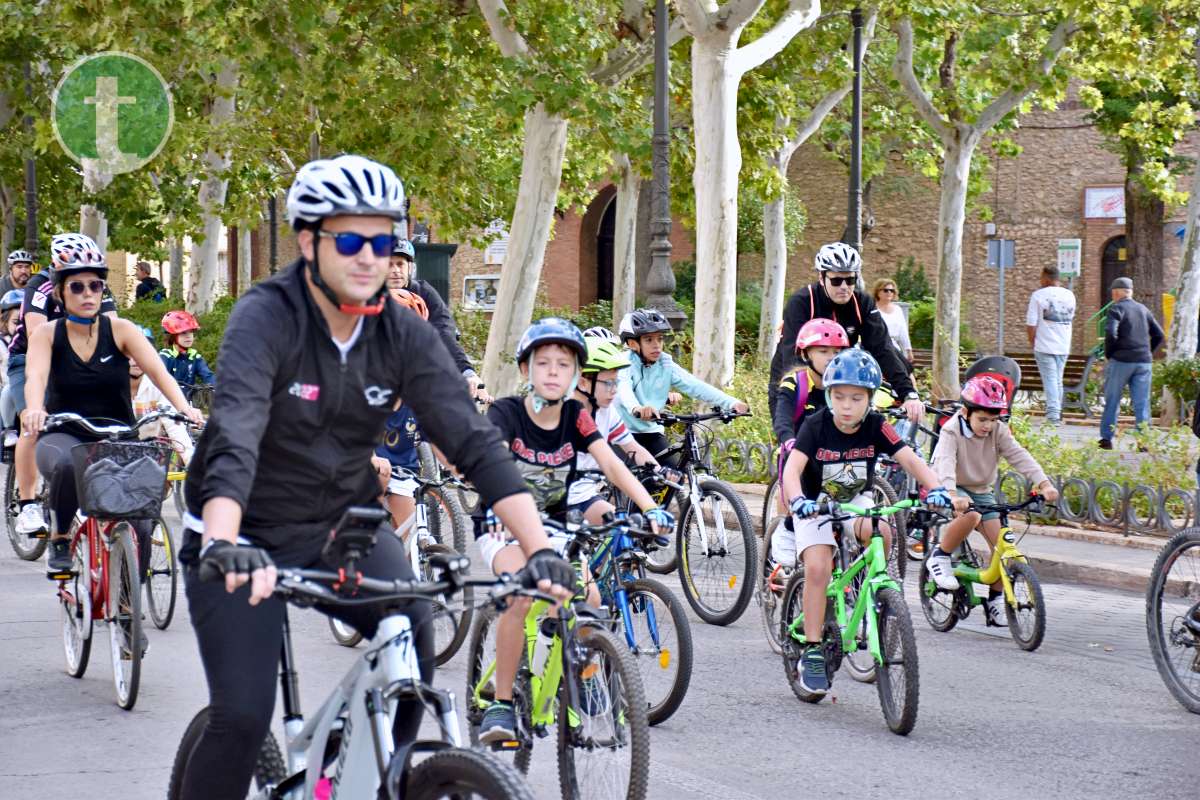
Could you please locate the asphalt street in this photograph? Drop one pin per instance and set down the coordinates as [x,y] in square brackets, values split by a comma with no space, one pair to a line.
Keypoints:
[1085,715]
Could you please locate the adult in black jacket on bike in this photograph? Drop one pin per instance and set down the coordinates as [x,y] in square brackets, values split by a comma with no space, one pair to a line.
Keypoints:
[311,365]
[835,296]
[403,275]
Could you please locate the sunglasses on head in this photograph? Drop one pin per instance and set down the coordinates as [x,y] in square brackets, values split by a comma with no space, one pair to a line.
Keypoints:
[350,244]
[79,287]
[850,281]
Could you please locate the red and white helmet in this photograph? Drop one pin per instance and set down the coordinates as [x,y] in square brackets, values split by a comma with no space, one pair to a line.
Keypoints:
[984,391]
[74,251]
[821,333]
[176,322]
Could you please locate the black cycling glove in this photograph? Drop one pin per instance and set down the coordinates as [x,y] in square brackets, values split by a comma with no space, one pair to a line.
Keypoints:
[219,558]
[547,565]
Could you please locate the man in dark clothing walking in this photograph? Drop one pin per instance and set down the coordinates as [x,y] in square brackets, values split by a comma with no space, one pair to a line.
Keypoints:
[836,297]
[148,286]
[1130,339]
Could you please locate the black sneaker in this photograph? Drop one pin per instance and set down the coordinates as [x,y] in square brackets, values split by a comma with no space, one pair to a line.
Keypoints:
[813,676]
[59,560]
[499,723]
[1106,444]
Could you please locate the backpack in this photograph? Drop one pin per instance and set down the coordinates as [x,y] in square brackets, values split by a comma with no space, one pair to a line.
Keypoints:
[802,379]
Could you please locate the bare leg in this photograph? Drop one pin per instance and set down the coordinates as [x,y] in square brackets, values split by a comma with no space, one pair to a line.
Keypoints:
[510,628]
[957,531]
[26,466]
[818,567]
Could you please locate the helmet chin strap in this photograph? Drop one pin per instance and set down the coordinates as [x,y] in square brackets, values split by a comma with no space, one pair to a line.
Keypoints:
[371,308]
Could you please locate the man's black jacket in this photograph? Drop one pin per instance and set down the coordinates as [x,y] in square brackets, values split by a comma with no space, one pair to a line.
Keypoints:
[293,425]
[862,322]
[441,319]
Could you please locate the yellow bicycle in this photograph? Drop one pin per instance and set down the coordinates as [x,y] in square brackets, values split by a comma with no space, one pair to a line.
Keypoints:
[1025,606]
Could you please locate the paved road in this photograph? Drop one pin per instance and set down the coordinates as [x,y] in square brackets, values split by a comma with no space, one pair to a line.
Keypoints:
[1084,715]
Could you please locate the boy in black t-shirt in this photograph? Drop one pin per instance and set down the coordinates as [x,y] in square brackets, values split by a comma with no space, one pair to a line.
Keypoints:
[835,454]
[547,430]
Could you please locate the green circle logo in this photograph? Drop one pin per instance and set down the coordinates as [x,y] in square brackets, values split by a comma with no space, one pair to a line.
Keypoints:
[112,112]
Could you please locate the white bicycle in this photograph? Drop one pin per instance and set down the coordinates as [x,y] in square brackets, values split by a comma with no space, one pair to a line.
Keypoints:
[346,748]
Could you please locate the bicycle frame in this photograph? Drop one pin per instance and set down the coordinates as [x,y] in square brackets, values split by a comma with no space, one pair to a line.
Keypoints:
[364,700]
[99,543]
[1005,551]
[617,551]
[872,561]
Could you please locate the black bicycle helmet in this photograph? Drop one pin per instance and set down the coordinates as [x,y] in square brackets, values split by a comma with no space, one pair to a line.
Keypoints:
[1002,368]
[641,322]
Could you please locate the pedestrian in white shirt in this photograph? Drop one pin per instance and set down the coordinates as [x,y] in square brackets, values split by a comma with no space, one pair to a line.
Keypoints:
[1048,323]
[886,294]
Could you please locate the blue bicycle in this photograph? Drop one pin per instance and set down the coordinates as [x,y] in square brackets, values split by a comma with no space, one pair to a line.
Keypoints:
[654,622]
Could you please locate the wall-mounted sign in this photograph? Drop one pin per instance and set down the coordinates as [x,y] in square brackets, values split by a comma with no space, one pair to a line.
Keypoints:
[1104,202]
[1068,257]
[497,234]
[479,292]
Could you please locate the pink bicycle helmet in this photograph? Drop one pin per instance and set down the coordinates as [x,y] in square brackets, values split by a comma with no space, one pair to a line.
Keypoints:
[821,333]
[984,391]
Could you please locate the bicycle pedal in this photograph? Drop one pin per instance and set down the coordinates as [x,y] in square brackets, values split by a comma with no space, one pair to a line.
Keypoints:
[61,576]
[509,745]
[37,535]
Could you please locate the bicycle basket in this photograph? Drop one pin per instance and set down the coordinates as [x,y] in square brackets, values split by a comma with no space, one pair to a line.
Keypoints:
[121,480]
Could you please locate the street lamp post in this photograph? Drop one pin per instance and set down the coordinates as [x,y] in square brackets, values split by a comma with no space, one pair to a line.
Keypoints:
[660,281]
[853,235]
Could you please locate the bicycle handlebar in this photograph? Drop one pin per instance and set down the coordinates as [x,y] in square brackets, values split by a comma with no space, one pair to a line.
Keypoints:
[115,431]
[1004,508]
[311,585]
[692,419]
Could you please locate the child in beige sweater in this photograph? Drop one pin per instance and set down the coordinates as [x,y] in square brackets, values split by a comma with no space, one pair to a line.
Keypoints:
[967,461]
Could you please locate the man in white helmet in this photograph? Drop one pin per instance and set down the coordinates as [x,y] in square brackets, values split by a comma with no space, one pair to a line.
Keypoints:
[20,267]
[836,296]
[312,363]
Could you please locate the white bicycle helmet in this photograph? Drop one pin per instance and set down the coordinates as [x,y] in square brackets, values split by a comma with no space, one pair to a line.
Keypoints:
[602,333]
[74,252]
[17,256]
[347,184]
[838,257]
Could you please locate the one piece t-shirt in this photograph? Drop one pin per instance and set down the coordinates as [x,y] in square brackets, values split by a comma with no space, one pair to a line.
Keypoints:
[841,464]
[612,430]
[547,459]
[401,437]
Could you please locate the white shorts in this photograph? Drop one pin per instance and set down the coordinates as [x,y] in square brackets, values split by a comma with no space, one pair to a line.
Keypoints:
[490,545]
[402,487]
[787,547]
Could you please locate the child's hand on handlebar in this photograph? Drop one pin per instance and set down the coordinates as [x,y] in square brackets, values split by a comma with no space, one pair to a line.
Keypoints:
[674,398]
[961,504]
[646,412]
[1047,491]
[741,407]
[194,415]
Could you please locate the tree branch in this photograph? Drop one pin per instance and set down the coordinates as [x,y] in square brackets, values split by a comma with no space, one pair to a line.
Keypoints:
[799,15]
[902,67]
[1005,103]
[698,15]
[511,43]
[735,14]
[812,123]
[624,61]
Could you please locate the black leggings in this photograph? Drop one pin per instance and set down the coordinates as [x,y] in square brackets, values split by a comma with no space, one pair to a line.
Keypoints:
[56,466]
[656,443]
[240,644]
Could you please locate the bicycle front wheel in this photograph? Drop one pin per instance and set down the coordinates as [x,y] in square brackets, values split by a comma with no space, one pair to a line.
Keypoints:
[604,745]
[898,677]
[344,633]
[448,523]
[716,549]
[661,639]
[161,582]
[450,628]
[458,773]
[125,615]
[1026,619]
[1173,617]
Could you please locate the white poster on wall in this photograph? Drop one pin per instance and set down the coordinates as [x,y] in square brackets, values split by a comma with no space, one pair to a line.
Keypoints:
[1104,202]
[497,233]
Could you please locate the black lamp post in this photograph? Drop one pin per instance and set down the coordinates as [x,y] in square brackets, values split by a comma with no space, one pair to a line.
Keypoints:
[853,235]
[660,281]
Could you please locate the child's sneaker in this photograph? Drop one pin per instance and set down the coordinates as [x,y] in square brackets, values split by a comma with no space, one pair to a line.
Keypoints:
[996,615]
[814,679]
[942,571]
[499,723]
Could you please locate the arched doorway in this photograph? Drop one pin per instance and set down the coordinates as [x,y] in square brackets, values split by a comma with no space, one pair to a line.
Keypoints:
[1113,265]
[606,239]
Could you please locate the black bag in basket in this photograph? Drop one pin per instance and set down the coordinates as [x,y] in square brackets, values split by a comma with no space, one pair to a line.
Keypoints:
[120,480]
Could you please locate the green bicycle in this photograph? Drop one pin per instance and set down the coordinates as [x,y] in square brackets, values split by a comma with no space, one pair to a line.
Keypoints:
[867,624]
[587,681]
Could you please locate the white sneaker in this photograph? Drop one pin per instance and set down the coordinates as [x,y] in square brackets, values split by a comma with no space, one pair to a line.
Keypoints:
[942,571]
[31,520]
[996,612]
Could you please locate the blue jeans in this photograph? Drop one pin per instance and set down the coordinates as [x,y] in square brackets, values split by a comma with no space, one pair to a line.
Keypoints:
[1118,374]
[1051,368]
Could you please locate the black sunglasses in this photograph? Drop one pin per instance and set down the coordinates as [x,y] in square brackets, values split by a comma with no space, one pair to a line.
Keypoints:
[888,289]
[349,244]
[78,287]
[850,281]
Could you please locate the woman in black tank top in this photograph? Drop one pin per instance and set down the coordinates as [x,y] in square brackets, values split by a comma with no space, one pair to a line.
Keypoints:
[80,364]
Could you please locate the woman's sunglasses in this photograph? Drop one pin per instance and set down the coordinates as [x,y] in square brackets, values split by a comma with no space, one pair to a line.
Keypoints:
[888,290]
[349,244]
[850,281]
[79,287]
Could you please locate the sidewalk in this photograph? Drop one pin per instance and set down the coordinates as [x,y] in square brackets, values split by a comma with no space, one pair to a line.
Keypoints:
[1062,554]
